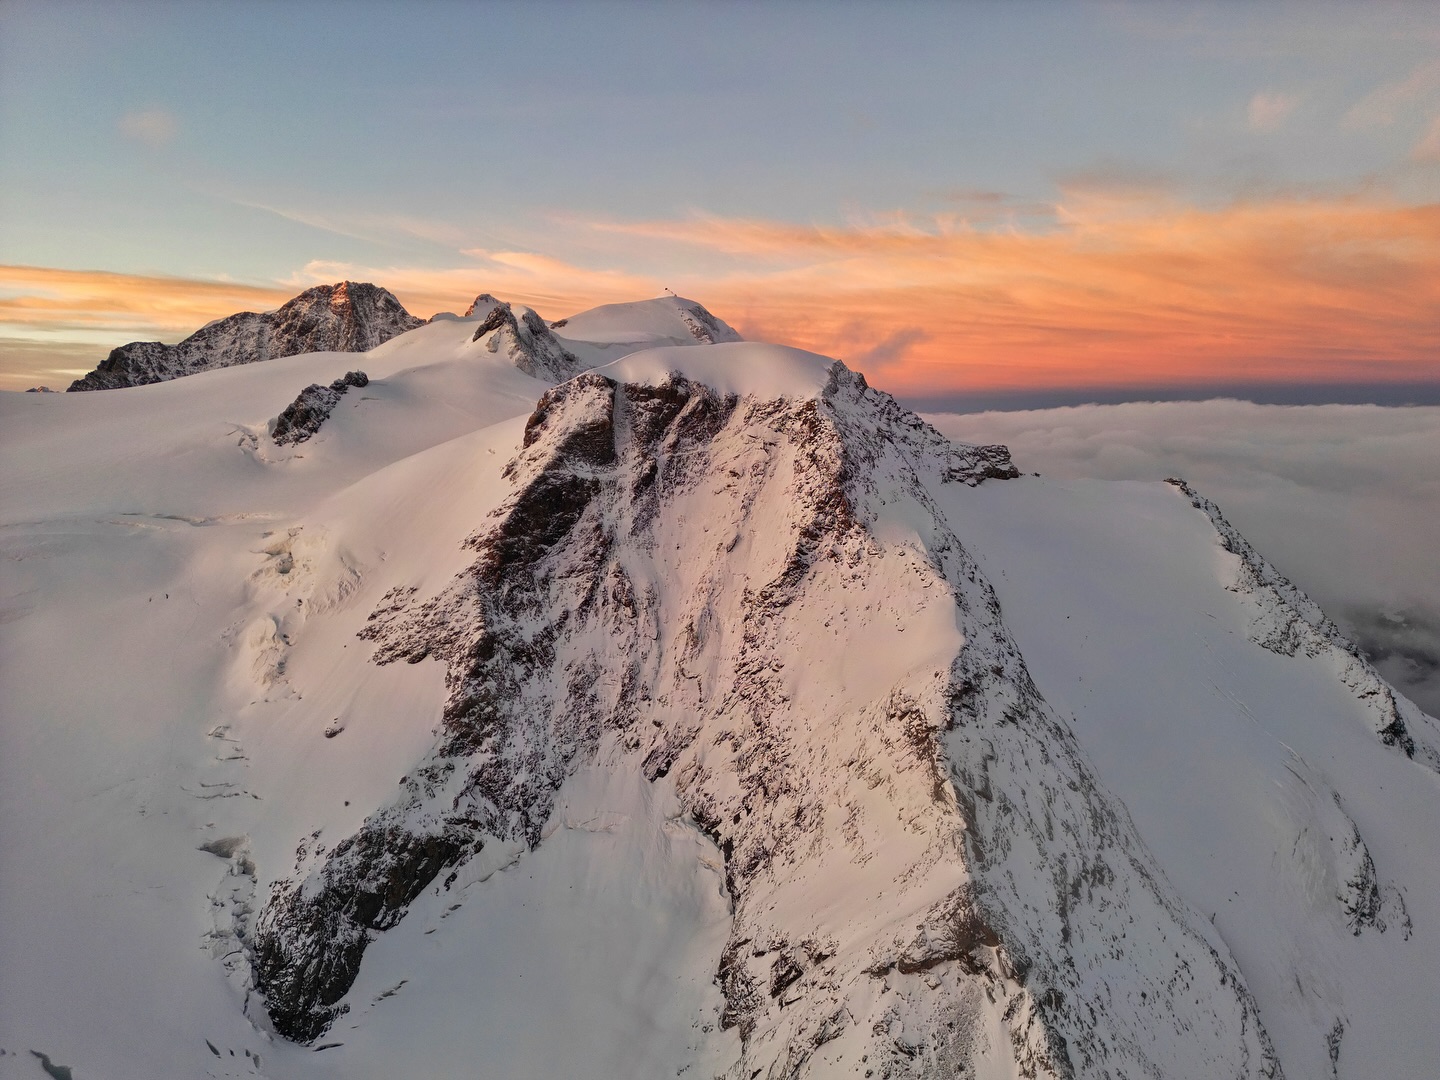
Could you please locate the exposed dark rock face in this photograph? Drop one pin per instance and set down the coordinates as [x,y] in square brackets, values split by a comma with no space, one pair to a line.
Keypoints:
[348,317]
[303,417]
[499,316]
[369,879]
[1404,646]
[650,593]
[527,339]
[1361,900]
[311,940]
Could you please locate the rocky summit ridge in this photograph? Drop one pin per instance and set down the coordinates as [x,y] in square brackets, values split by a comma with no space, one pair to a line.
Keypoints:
[915,853]
[345,317]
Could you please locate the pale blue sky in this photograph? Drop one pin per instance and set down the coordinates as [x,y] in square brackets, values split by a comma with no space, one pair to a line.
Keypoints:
[199,138]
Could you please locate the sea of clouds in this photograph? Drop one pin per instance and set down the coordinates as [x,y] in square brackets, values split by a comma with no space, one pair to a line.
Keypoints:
[1343,499]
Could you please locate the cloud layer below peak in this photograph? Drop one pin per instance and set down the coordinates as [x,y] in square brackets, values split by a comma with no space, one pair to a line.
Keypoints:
[1343,499]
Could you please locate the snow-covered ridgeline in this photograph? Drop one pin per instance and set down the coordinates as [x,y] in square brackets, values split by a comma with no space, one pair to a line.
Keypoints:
[1254,776]
[1287,621]
[923,870]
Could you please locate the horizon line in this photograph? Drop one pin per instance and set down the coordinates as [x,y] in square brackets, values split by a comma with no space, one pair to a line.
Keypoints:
[1407,394]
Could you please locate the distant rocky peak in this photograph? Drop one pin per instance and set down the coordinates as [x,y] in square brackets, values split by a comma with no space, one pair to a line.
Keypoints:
[343,295]
[527,340]
[348,316]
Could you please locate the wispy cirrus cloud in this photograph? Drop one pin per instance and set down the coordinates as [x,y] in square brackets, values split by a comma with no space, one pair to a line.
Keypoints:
[369,227]
[551,285]
[155,127]
[1117,286]
[982,206]
[1269,109]
[1118,292]
[1384,105]
[38,301]
[1427,150]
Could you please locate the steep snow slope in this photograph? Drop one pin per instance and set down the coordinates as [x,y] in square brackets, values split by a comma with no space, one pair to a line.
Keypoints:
[148,559]
[716,751]
[348,317]
[1257,775]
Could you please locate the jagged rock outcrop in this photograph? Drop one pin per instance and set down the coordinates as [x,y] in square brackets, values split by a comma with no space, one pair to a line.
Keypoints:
[347,317]
[923,870]
[304,416]
[526,339]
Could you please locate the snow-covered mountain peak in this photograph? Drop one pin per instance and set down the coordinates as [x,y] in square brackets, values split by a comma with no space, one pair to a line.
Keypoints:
[345,317]
[521,334]
[654,595]
[661,326]
[744,368]
[665,320]
[482,305]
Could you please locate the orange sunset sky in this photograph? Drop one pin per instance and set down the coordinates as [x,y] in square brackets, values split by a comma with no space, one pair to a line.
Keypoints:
[1234,197]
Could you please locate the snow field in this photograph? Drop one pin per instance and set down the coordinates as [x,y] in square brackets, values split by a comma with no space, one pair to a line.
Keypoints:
[189,717]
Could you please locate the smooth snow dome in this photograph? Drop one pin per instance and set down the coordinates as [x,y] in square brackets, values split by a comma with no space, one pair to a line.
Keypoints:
[744,368]
[641,322]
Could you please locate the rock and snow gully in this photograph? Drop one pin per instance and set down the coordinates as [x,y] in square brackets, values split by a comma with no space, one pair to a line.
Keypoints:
[745,727]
